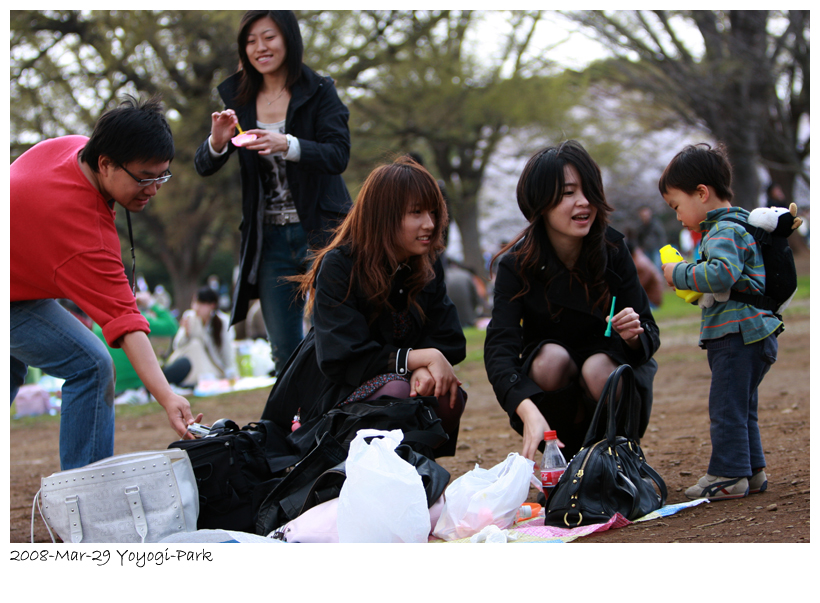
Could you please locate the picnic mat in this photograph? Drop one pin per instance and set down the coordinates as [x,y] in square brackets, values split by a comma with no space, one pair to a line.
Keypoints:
[534,530]
[531,530]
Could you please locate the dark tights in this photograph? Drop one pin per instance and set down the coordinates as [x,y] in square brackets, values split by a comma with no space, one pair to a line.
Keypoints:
[450,417]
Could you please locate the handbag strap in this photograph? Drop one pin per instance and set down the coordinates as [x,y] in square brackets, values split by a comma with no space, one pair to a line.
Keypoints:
[621,411]
[75,523]
[132,495]
[628,405]
[272,449]
[658,480]
[36,503]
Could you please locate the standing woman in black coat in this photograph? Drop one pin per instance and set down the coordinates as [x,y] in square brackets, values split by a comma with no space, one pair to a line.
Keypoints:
[293,193]
[546,350]
[382,321]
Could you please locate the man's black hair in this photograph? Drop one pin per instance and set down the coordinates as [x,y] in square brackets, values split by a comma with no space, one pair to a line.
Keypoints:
[134,131]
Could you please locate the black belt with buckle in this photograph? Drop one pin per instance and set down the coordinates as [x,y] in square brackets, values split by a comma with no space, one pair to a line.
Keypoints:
[281,218]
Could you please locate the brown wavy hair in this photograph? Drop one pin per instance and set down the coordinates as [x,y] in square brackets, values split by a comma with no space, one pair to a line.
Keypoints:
[370,234]
[540,188]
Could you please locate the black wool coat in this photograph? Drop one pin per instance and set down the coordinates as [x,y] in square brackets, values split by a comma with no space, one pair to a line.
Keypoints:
[521,325]
[342,351]
[318,118]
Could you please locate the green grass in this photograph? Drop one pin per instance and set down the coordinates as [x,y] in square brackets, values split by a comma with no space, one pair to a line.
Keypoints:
[475,345]
[802,287]
[672,309]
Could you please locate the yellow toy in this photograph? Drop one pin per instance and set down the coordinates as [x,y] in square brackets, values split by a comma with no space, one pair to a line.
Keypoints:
[671,255]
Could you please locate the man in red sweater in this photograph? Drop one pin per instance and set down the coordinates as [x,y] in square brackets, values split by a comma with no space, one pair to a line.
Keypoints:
[64,244]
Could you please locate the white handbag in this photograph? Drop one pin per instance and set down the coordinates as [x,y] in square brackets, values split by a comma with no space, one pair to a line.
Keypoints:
[136,497]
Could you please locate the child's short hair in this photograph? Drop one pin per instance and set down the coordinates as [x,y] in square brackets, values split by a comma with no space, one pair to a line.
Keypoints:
[699,164]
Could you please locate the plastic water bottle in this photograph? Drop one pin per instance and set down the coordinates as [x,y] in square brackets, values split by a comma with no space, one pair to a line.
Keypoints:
[553,463]
[244,358]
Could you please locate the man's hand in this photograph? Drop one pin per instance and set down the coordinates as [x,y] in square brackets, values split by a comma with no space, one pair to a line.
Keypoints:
[179,415]
[139,351]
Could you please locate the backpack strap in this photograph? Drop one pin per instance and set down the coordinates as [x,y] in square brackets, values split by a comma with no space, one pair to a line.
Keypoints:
[760,235]
[758,300]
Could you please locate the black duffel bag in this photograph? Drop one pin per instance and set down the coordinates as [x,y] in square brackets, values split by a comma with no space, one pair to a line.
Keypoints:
[320,475]
[320,445]
[233,469]
[608,475]
[415,416]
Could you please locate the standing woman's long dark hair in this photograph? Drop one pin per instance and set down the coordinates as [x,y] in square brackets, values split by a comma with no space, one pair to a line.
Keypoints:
[540,188]
[206,295]
[371,230]
[251,79]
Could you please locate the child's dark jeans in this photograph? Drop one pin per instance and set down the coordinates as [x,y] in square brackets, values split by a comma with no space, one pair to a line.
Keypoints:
[737,371]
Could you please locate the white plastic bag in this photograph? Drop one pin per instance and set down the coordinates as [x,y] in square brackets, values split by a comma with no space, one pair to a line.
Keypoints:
[382,498]
[260,358]
[482,497]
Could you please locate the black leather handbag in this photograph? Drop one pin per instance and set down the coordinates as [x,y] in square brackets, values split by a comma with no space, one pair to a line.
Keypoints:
[608,475]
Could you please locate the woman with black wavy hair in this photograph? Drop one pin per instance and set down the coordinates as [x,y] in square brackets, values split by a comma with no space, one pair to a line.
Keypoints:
[547,351]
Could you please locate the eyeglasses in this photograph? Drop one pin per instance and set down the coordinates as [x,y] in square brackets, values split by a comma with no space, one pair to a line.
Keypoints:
[144,182]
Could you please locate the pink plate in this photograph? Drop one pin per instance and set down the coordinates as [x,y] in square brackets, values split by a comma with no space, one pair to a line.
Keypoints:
[242,139]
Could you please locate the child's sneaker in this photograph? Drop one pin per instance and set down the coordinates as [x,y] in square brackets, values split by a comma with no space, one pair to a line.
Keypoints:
[758,481]
[714,487]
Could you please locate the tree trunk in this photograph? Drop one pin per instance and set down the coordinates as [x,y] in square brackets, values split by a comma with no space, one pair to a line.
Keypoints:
[746,183]
[185,289]
[467,224]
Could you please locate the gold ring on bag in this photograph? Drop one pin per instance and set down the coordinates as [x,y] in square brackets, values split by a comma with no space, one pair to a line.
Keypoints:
[580,519]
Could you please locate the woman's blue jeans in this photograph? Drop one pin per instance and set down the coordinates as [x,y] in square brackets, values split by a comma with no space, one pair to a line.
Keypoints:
[284,253]
[45,335]
[737,371]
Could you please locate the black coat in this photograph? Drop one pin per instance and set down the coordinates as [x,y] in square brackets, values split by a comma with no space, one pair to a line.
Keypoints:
[318,118]
[519,326]
[342,351]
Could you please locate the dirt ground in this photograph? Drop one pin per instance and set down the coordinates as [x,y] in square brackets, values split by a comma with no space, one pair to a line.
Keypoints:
[676,443]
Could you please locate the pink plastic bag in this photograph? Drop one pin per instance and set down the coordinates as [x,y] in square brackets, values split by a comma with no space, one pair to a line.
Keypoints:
[317,524]
[482,497]
[32,400]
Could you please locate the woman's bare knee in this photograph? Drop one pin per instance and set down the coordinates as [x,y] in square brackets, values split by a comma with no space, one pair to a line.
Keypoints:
[552,368]
[595,372]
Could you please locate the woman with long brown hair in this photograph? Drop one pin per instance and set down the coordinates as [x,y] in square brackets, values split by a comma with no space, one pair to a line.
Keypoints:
[547,351]
[382,321]
[291,164]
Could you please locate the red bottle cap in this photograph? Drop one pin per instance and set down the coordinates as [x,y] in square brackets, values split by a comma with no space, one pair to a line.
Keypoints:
[550,435]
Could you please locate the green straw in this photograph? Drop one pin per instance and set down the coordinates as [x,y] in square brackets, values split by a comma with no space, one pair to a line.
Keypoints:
[608,331]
